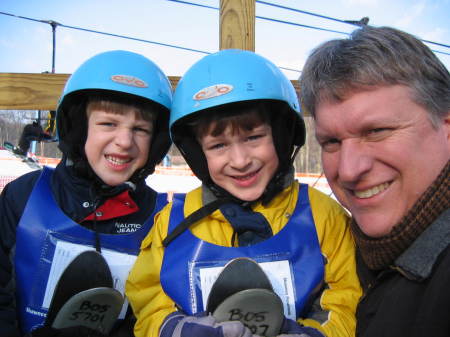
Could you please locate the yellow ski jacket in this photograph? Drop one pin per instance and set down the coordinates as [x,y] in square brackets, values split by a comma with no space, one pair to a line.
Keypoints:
[333,313]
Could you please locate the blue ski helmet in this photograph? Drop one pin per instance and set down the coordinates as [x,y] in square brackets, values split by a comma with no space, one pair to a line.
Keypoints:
[227,77]
[116,73]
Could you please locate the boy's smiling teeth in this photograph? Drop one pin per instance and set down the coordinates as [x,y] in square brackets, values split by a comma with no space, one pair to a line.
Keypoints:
[117,161]
[245,177]
[371,191]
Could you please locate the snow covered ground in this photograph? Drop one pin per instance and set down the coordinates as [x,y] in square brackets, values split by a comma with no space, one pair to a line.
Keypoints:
[11,167]
[165,179]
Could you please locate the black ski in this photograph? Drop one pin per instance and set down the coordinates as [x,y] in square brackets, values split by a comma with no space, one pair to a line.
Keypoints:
[31,162]
[96,308]
[86,273]
[238,274]
[244,293]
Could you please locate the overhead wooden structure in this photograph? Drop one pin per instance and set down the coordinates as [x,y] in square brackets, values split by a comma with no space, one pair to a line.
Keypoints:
[22,91]
[237,24]
[25,91]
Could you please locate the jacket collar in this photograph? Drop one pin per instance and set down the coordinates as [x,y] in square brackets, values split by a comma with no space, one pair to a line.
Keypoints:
[417,261]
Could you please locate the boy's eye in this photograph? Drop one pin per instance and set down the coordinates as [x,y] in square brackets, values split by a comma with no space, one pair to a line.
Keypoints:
[216,146]
[142,129]
[255,137]
[106,123]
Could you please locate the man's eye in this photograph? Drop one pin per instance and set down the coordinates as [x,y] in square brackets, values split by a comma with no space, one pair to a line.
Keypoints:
[376,130]
[330,145]
[378,133]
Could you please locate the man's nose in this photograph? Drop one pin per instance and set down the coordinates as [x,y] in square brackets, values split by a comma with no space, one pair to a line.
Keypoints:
[354,161]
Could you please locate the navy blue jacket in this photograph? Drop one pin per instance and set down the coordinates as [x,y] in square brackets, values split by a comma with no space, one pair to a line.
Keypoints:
[78,198]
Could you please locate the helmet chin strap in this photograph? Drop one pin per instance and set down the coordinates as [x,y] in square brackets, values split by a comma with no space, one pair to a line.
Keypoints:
[193,218]
[294,154]
[214,192]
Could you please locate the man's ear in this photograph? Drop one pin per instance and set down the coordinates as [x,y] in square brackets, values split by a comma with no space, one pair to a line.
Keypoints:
[447,128]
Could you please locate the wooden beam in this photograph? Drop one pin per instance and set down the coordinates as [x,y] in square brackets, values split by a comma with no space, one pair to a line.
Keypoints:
[21,91]
[27,91]
[237,24]
[30,91]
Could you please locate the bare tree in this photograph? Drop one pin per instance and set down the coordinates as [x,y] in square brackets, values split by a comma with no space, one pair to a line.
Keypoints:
[12,123]
[308,160]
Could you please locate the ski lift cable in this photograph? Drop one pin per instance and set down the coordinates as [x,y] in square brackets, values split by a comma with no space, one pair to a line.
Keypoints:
[22,17]
[305,12]
[439,52]
[104,33]
[261,17]
[290,69]
[54,24]
[317,180]
[137,39]
[356,23]
[438,44]
[300,25]
[359,23]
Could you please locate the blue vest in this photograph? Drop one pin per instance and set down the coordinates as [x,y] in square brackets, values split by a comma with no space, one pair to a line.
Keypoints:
[42,224]
[297,243]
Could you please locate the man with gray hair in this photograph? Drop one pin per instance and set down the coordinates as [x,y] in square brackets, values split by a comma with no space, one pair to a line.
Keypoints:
[381,104]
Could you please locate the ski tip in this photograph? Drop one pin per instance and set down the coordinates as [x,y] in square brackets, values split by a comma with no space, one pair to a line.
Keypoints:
[238,274]
[87,270]
[8,145]
[96,308]
[260,310]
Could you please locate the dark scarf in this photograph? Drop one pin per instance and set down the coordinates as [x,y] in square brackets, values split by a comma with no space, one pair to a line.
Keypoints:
[379,253]
[249,227]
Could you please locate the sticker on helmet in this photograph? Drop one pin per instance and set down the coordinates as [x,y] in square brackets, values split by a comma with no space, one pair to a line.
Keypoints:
[212,91]
[129,80]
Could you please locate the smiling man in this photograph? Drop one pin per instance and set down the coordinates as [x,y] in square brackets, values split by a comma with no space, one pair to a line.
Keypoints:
[381,103]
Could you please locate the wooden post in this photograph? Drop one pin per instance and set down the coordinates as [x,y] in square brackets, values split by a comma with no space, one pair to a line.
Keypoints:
[237,24]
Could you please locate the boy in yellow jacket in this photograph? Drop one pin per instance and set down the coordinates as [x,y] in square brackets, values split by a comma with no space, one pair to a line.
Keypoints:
[237,122]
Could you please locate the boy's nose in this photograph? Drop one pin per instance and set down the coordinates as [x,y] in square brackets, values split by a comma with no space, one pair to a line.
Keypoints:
[124,138]
[239,157]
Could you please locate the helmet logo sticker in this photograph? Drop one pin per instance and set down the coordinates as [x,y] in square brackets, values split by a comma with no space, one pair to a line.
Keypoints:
[129,80]
[212,91]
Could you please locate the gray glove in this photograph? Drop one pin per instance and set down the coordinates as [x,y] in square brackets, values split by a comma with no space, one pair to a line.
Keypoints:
[291,328]
[201,325]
